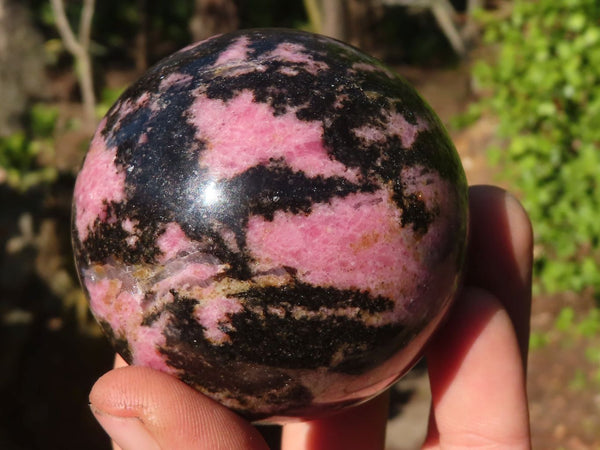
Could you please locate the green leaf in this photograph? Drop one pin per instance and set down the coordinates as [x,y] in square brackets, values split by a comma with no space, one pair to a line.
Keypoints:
[544,87]
[576,22]
[565,319]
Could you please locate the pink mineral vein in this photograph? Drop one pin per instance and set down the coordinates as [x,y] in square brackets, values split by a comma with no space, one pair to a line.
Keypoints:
[129,226]
[123,312]
[128,106]
[175,79]
[145,343]
[395,125]
[243,133]
[99,183]
[237,51]
[353,243]
[102,293]
[172,241]
[214,315]
[296,53]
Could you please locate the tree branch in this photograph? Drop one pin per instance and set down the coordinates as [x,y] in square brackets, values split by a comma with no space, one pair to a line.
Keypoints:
[79,48]
[64,28]
[85,28]
[333,21]
[313,11]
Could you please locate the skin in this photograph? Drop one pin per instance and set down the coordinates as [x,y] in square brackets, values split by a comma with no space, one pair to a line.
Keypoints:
[477,368]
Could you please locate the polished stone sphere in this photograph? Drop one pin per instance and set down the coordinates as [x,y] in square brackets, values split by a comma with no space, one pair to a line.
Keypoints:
[273,217]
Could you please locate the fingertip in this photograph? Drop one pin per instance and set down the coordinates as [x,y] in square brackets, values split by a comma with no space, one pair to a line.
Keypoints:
[521,232]
[500,254]
[127,433]
[119,362]
[495,211]
[174,414]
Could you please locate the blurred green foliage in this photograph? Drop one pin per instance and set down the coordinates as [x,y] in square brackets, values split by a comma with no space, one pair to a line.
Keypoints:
[544,87]
[582,329]
[20,152]
[575,330]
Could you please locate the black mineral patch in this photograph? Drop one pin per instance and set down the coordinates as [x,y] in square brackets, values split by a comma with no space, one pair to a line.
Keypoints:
[262,336]
[108,240]
[263,190]
[314,298]
[204,364]
[312,342]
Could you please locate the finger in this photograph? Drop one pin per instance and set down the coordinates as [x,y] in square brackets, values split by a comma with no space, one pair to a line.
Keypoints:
[477,379]
[119,362]
[500,254]
[499,261]
[358,428]
[141,408]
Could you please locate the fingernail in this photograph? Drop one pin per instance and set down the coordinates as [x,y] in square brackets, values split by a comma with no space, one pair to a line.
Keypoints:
[520,228]
[128,433]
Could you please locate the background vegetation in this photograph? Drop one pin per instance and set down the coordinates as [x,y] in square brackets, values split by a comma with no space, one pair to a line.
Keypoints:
[545,90]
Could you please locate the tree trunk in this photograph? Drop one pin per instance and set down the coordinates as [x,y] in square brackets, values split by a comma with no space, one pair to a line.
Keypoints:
[334,19]
[21,65]
[363,19]
[79,47]
[314,14]
[213,17]
[141,38]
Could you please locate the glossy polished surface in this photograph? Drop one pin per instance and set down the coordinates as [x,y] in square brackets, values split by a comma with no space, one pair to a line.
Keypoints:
[273,217]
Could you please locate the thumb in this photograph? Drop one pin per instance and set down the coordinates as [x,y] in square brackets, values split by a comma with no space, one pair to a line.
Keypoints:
[141,408]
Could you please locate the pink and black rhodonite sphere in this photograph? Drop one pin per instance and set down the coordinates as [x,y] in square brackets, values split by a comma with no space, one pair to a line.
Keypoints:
[273,217]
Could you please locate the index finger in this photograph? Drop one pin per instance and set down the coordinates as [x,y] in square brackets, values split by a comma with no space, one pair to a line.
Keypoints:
[477,361]
[500,254]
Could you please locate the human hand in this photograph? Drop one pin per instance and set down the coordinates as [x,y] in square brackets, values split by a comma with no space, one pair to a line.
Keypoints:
[476,368]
